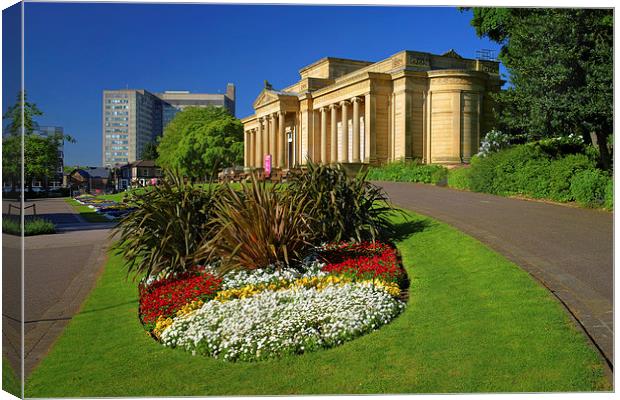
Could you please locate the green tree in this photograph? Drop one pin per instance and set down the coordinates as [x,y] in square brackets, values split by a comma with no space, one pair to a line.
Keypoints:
[200,141]
[14,113]
[12,143]
[149,151]
[11,159]
[560,63]
[40,152]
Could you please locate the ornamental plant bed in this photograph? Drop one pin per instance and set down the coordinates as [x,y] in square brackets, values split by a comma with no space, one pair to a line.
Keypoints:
[366,260]
[342,292]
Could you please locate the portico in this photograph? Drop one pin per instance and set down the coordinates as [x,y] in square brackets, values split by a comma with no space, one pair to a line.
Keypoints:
[411,105]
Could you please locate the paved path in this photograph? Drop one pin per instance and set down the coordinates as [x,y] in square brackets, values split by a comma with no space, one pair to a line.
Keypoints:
[59,272]
[570,250]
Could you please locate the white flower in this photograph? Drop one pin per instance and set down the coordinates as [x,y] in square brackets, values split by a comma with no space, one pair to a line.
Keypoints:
[271,324]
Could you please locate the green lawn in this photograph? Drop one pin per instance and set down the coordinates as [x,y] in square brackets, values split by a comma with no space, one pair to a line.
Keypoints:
[474,323]
[87,213]
[10,382]
[118,197]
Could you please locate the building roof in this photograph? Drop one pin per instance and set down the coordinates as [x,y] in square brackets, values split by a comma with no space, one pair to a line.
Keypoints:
[98,172]
[140,163]
[336,59]
[92,172]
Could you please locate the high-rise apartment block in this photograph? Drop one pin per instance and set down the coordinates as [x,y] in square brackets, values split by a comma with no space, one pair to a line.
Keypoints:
[132,118]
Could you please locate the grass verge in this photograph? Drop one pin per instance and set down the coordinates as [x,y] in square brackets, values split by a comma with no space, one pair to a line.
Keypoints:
[87,213]
[32,226]
[474,323]
[10,382]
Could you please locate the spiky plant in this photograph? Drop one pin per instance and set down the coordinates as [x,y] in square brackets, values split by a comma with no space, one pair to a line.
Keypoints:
[342,208]
[258,226]
[168,227]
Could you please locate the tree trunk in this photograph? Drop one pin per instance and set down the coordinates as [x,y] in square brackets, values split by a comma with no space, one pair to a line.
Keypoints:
[29,187]
[605,156]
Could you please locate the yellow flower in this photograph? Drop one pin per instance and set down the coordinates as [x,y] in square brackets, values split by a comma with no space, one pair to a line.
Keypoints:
[161,324]
[306,282]
[189,307]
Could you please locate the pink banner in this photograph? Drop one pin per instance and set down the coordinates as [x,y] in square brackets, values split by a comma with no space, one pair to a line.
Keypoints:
[267,164]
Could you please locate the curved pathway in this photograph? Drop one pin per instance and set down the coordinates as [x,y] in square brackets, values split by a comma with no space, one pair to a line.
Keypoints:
[568,249]
[59,272]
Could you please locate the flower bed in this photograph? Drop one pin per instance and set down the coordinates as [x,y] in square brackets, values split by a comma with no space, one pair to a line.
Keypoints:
[347,291]
[108,208]
[165,297]
[365,261]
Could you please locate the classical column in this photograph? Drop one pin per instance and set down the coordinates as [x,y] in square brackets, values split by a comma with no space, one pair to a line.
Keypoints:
[344,138]
[257,157]
[272,137]
[370,125]
[262,139]
[246,147]
[356,129]
[323,158]
[281,140]
[333,157]
[250,149]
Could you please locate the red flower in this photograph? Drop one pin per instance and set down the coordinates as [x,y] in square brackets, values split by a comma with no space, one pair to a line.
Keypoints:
[364,261]
[167,296]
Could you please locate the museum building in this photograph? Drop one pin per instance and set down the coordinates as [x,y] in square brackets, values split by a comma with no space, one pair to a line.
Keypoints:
[412,105]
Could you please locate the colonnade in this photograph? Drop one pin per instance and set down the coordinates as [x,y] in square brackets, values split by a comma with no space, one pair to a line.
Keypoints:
[268,138]
[343,137]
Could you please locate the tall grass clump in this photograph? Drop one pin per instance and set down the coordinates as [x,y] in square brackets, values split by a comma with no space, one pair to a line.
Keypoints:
[32,226]
[260,225]
[458,178]
[341,207]
[168,228]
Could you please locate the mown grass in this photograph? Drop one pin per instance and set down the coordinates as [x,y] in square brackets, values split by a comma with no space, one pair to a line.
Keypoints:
[87,213]
[474,323]
[10,382]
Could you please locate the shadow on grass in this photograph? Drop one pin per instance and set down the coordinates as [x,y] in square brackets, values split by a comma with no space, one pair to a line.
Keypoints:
[405,229]
[134,301]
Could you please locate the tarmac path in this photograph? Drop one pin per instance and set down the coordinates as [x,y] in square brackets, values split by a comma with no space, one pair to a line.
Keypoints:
[568,249]
[59,272]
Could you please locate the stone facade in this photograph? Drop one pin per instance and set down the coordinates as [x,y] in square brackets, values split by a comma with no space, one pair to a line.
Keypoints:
[412,105]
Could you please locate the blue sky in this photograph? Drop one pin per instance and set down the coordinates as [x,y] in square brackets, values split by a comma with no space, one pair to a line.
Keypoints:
[74,51]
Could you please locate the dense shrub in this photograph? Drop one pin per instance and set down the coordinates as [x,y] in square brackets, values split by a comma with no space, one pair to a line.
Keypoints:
[32,226]
[408,171]
[518,170]
[168,227]
[458,178]
[589,187]
[493,142]
[562,170]
[342,208]
[561,146]
[609,195]
[259,226]
[533,170]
